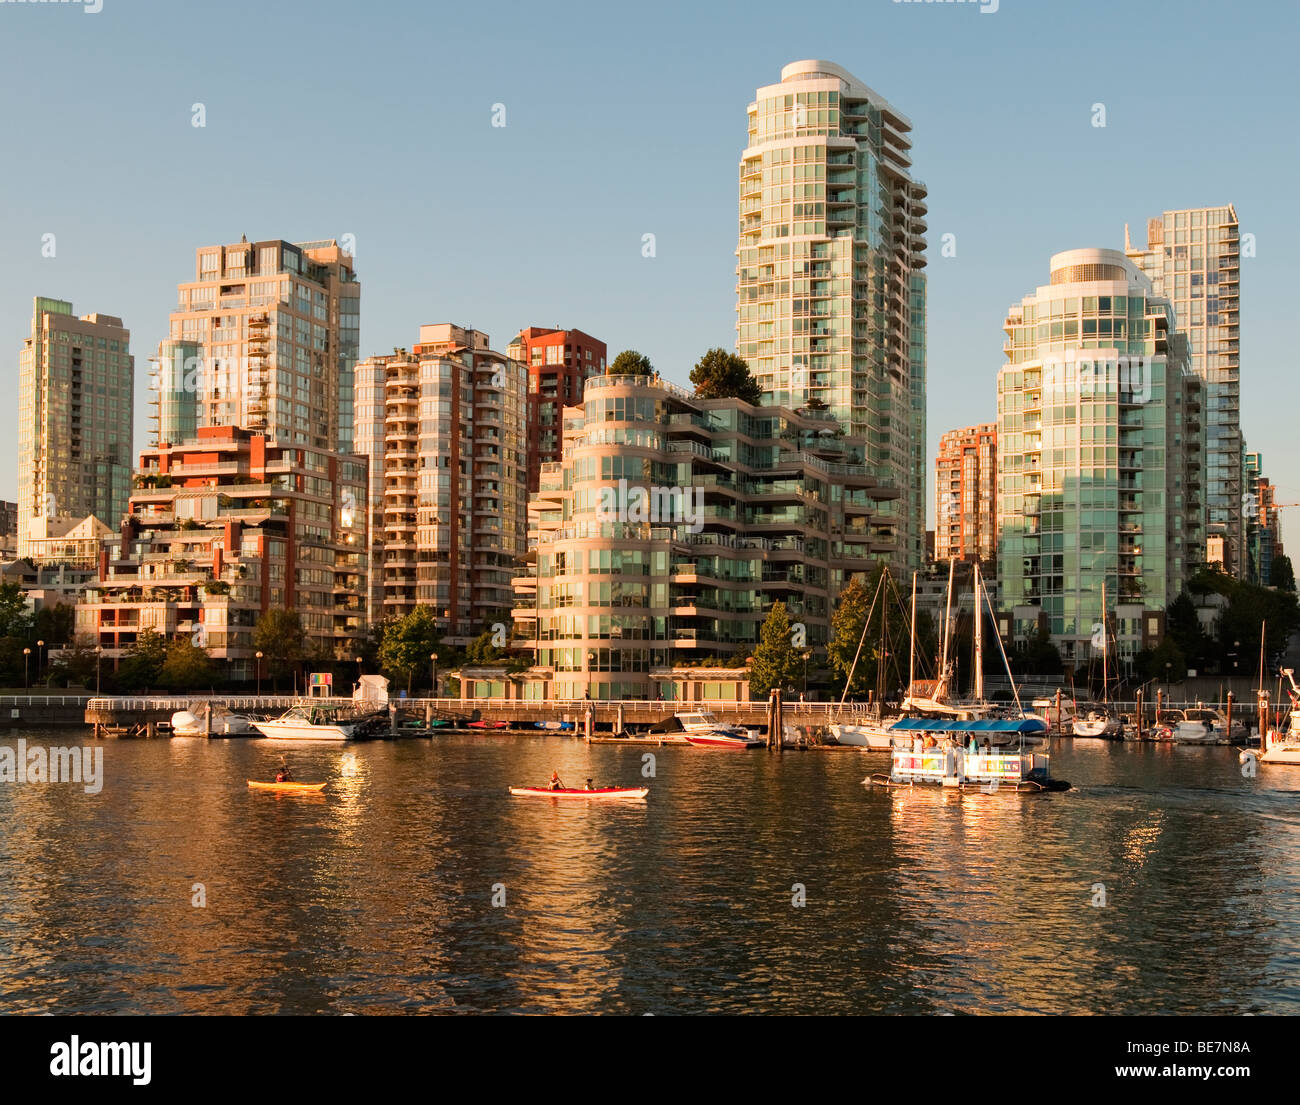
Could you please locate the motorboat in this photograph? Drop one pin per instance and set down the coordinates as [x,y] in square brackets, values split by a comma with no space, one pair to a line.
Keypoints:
[309,721]
[701,728]
[871,735]
[191,723]
[1097,722]
[1281,746]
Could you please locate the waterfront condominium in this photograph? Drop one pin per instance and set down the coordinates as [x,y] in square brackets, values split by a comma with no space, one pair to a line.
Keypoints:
[223,528]
[1193,260]
[830,273]
[965,478]
[1100,468]
[1263,522]
[671,526]
[452,521]
[75,418]
[559,362]
[265,338]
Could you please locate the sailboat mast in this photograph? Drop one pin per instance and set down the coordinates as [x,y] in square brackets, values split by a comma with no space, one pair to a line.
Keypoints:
[947,623]
[911,650]
[979,639]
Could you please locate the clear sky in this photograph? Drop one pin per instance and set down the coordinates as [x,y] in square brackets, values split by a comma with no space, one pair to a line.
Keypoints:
[374,119]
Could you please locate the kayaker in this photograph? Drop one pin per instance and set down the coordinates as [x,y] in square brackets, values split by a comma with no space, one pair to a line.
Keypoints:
[284,775]
[555,781]
[589,786]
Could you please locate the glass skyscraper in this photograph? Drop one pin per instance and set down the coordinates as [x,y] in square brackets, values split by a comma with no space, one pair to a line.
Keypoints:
[1193,260]
[830,280]
[1099,461]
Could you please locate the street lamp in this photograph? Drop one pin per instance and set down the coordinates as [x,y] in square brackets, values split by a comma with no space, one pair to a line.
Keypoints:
[258,662]
[591,663]
[99,651]
[27,655]
[433,661]
[40,659]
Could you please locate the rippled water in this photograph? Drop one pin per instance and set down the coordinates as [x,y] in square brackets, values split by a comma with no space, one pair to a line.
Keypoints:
[379,896]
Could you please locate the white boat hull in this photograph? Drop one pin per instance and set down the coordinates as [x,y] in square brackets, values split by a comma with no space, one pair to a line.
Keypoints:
[298,731]
[872,737]
[1281,750]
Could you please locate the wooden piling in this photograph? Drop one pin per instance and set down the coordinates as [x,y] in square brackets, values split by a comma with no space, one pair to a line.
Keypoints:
[1140,711]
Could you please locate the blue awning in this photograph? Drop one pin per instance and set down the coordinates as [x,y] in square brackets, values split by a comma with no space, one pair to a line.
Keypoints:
[983,725]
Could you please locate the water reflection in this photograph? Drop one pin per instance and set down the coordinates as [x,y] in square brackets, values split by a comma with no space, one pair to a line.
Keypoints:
[418,884]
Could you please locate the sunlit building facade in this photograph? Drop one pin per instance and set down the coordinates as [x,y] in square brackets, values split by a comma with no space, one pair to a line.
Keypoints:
[1100,444]
[965,480]
[76,380]
[830,274]
[1193,259]
[671,526]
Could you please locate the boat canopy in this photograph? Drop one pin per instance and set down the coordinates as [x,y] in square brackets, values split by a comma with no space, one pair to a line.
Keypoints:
[980,725]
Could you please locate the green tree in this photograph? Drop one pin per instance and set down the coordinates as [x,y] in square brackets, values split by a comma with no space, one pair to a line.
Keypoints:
[280,637]
[722,375]
[630,363]
[139,669]
[407,645]
[76,666]
[1283,575]
[847,625]
[481,650]
[1184,627]
[15,618]
[186,668]
[776,661]
[54,624]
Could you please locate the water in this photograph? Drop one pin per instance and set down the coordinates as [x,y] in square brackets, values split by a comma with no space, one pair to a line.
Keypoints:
[379,897]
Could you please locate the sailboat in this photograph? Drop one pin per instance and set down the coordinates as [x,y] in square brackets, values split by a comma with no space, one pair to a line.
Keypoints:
[1099,721]
[873,732]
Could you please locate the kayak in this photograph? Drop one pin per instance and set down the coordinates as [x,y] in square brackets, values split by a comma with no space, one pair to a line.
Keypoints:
[578,792]
[488,724]
[289,788]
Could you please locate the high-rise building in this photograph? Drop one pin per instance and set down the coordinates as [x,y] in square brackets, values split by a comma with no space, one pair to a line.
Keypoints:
[265,338]
[75,417]
[1099,448]
[455,493]
[965,479]
[1263,522]
[559,362]
[830,274]
[222,529]
[369,432]
[671,526]
[1193,260]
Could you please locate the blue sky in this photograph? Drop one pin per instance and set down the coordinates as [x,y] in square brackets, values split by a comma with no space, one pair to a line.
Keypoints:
[374,119]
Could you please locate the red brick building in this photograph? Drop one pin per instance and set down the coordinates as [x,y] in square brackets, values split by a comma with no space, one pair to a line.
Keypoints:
[559,362]
[965,520]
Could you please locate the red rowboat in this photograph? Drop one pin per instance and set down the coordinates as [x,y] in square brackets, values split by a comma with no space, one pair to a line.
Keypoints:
[577,792]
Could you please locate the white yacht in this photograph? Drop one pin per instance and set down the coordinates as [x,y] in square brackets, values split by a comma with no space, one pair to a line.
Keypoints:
[306,721]
[191,723]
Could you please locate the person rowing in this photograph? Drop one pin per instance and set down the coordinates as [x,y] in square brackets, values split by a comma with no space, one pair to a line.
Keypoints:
[555,781]
[284,775]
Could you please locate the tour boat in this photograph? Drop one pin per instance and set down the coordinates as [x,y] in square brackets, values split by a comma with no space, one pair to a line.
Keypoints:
[323,723]
[940,756]
[578,792]
[288,788]
[190,723]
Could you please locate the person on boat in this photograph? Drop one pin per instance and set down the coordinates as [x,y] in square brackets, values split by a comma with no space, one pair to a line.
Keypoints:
[284,775]
[987,746]
[589,785]
[555,781]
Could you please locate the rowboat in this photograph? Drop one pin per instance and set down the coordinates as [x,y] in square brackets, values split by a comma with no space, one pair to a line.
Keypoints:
[578,792]
[288,788]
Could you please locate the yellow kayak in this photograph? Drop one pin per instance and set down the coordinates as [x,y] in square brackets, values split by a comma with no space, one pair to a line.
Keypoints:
[289,788]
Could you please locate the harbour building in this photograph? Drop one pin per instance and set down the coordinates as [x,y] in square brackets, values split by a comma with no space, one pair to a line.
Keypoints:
[265,337]
[76,380]
[670,527]
[830,272]
[1193,258]
[1100,446]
